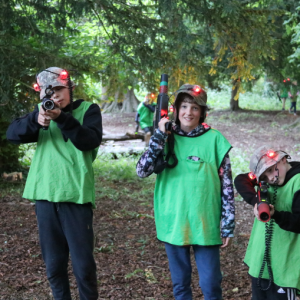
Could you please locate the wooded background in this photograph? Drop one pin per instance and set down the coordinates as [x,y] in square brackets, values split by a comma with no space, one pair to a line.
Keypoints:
[112,48]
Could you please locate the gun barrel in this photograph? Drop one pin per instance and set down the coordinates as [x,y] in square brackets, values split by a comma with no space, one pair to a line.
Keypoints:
[162,100]
[263,205]
[264,211]
[163,87]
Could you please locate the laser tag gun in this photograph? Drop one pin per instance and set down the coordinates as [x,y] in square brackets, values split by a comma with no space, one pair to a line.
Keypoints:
[162,103]
[263,204]
[278,95]
[170,160]
[47,102]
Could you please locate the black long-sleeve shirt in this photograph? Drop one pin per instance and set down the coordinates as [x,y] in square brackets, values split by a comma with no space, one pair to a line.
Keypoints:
[84,137]
[289,221]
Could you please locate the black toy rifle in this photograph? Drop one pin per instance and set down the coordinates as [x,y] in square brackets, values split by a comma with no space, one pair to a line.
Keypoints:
[278,96]
[162,112]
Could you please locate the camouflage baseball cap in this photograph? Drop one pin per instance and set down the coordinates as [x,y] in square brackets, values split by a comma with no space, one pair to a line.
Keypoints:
[51,76]
[263,158]
[196,91]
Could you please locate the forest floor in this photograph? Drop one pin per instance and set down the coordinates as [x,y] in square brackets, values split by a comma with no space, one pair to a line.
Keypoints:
[131,262]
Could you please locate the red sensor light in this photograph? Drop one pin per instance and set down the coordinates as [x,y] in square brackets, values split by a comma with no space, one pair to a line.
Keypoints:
[251,176]
[64,75]
[171,109]
[270,153]
[36,87]
[197,88]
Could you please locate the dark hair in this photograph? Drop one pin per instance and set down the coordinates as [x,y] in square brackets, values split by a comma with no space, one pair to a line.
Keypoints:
[184,97]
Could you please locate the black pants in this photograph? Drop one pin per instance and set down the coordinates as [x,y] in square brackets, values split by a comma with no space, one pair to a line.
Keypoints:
[148,129]
[274,293]
[63,228]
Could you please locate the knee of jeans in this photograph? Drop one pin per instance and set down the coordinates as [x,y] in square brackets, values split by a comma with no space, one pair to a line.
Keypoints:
[85,272]
[56,269]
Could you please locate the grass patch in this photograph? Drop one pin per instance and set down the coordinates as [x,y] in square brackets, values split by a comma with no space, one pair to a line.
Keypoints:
[262,97]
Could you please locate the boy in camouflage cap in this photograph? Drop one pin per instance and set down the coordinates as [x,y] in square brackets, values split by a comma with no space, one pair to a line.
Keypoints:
[61,181]
[274,268]
[51,76]
[193,199]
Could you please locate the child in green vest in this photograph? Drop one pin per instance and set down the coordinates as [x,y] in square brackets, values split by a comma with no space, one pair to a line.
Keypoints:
[293,93]
[273,254]
[61,180]
[144,116]
[193,196]
[284,91]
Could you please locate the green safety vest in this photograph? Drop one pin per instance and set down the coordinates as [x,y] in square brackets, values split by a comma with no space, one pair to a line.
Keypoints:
[285,245]
[284,93]
[187,198]
[146,116]
[59,172]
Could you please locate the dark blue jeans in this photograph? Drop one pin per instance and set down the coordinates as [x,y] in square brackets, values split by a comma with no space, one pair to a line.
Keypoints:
[208,265]
[63,228]
[293,106]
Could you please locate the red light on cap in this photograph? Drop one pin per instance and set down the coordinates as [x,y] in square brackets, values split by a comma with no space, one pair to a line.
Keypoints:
[251,176]
[36,87]
[171,109]
[64,75]
[152,95]
[197,88]
[271,153]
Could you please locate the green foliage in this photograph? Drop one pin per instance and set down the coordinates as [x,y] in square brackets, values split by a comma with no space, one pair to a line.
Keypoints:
[121,169]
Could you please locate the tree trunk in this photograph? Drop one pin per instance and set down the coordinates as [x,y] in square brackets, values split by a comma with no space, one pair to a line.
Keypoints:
[113,107]
[130,102]
[126,137]
[234,104]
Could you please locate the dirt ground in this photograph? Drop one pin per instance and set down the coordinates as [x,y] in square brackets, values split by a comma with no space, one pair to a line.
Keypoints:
[131,263]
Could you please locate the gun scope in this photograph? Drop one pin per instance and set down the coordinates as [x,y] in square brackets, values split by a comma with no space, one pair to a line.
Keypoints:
[47,102]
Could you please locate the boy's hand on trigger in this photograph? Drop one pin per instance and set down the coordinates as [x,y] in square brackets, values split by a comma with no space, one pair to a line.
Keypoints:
[161,124]
[255,211]
[272,210]
[54,113]
[43,120]
[45,117]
